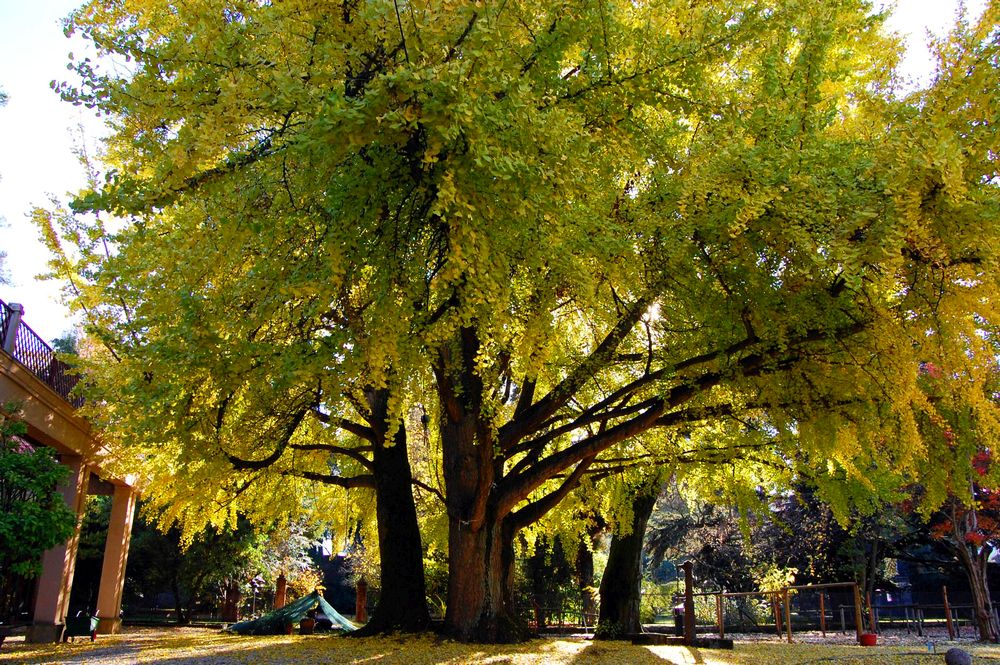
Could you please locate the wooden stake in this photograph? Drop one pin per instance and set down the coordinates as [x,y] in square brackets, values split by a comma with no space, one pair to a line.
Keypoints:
[947,613]
[719,614]
[361,601]
[777,613]
[788,614]
[857,611]
[822,614]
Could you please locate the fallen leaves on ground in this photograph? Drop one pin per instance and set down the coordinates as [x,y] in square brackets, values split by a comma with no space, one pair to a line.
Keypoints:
[206,647]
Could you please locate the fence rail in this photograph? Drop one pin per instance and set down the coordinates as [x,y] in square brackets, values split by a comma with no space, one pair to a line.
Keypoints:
[25,346]
[794,609]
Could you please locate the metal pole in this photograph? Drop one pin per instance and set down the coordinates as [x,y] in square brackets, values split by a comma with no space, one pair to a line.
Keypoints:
[843,621]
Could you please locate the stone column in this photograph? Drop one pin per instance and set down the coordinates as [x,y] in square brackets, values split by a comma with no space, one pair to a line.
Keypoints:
[109,596]
[59,563]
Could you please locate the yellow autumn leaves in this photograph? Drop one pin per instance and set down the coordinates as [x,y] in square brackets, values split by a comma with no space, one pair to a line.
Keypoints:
[152,646]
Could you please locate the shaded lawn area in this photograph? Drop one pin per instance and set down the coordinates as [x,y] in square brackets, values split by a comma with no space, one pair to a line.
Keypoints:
[191,646]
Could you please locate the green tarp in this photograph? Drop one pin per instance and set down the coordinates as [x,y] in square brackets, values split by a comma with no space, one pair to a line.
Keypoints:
[275,622]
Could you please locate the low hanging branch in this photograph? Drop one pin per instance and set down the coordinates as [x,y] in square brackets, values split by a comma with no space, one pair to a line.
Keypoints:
[347,482]
[241,464]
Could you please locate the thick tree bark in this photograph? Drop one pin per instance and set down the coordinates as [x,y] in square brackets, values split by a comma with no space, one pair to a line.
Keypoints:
[402,603]
[621,585]
[480,589]
[975,566]
[480,538]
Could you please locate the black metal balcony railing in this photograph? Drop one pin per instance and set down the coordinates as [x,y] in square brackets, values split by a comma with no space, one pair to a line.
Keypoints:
[25,346]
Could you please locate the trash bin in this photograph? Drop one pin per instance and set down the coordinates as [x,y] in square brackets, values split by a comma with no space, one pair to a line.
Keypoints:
[679,620]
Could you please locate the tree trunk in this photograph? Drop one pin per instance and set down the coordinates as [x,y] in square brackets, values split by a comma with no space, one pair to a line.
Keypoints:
[182,617]
[975,567]
[480,546]
[482,520]
[621,585]
[480,584]
[402,602]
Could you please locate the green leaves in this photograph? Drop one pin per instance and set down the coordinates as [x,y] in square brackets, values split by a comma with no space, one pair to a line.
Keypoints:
[33,514]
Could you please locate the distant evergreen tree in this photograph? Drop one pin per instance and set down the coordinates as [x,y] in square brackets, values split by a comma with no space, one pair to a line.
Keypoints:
[33,514]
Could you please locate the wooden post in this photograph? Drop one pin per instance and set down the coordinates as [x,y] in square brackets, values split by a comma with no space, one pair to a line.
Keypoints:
[871,613]
[280,592]
[777,613]
[822,614]
[788,614]
[719,613]
[947,613]
[857,611]
[361,602]
[689,627]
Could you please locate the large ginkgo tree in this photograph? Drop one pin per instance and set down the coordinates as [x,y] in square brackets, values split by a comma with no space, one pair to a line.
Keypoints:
[539,229]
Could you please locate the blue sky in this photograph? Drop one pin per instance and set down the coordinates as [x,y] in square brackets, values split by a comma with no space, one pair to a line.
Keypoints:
[39,133]
[36,147]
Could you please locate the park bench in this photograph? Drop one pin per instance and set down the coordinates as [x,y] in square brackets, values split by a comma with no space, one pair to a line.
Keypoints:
[82,625]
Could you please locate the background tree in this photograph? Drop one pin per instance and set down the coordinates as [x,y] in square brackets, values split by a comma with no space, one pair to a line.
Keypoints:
[547,574]
[970,531]
[33,514]
[556,228]
[212,571]
[968,521]
[622,579]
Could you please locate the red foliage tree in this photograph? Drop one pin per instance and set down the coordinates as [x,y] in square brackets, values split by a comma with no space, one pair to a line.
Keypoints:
[970,530]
